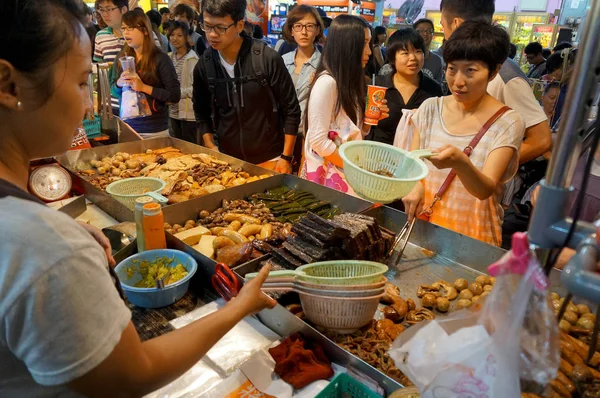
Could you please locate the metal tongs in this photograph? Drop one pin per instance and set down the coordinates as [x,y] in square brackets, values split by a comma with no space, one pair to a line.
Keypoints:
[402,238]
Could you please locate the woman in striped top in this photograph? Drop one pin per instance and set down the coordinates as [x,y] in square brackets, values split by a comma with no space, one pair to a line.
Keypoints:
[471,204]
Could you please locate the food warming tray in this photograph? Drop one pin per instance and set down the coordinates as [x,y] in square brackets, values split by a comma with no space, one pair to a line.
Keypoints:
[77,160]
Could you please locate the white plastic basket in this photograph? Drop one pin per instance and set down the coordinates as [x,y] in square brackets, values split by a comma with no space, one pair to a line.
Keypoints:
[362,159]
[128,190]
[341,314]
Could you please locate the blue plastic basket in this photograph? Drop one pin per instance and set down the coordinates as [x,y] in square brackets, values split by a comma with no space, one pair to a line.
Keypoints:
[92,128]
[153,297]
[342,383]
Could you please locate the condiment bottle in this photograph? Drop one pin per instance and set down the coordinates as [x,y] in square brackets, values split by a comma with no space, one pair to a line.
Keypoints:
[154,230]
[139,217]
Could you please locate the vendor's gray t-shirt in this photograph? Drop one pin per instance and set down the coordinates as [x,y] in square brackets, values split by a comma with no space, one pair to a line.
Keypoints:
[61,314]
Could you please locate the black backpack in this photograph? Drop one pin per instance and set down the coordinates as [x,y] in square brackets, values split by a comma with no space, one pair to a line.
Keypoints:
[258,66]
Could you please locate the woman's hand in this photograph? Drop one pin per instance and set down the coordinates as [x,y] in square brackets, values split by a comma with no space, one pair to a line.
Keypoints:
[251,299]
[102,241]
[124,79]
[137,84]
[448,157]
[413,202]
[385,111]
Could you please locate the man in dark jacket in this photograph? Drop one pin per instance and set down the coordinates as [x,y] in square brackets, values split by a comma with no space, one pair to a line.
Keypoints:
[243,92]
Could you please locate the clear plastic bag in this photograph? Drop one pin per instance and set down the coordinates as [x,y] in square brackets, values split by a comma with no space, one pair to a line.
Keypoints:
[133,104]
[486,350]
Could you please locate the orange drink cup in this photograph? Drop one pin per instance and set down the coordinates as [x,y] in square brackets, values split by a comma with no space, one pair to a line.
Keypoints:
[375,95]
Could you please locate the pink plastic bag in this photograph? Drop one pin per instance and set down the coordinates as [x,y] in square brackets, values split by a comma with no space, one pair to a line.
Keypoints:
[486,350]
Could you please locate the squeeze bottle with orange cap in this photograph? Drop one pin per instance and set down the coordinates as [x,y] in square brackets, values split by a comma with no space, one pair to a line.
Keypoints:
[154,232]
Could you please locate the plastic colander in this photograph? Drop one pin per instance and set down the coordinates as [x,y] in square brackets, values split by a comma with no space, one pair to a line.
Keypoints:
[364,159]
[346,272]
[128,190]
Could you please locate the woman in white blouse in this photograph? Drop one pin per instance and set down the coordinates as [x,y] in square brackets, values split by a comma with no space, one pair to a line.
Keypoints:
[336,101]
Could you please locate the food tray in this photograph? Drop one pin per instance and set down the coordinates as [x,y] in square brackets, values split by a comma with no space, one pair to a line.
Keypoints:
[178,214]
[74,161]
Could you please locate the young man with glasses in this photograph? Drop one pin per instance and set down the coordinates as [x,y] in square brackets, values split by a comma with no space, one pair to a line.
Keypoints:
[433,66]
[243,92]
[109,41]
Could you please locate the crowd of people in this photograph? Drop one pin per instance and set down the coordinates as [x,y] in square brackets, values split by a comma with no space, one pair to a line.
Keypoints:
[217,82]
[66,331]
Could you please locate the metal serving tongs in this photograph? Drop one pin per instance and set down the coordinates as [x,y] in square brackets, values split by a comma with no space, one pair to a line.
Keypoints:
[402,238]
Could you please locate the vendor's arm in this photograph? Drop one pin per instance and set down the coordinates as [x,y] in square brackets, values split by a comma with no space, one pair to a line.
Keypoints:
[135,368]
[321,108]
[413,202]
[203,105]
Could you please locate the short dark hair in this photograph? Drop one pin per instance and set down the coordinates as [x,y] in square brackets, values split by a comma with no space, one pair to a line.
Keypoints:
[154,17]
[117,3]
[236,9]
[550,86]
[164,10]
[561,46]
[424,20]
[513,51]
[257,32]
[185,10]
[533,48]
[478,41]
[402,40]
[469,9]
[46,31]
[546,52]
[554,62]
[297,13]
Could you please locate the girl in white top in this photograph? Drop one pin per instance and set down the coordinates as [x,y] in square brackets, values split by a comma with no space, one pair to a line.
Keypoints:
[336,101]
[471,205]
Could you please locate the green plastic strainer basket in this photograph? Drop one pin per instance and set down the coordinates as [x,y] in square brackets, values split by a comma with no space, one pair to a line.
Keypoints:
[363,159]
[346,272]
[128,190]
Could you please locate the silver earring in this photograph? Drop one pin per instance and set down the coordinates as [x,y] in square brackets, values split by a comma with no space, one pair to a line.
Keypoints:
[19,105]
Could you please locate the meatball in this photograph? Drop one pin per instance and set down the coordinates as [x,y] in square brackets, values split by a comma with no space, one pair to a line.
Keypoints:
[465,295]
[461,284]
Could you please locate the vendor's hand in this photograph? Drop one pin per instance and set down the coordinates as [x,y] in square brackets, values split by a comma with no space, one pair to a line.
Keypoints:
[251,298]
[214,148]
[448,157]
[102,240]
[534,195]
[283,166]
[385,111]
[413,202]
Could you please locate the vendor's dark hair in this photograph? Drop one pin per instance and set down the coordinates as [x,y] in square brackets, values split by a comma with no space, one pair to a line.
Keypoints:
[534,48]
[236,9]
[342,59]
[402,40]
[184,9]
[424,20]
[295,15]
[469,9]
[478,41]
[185,31]
[38,33]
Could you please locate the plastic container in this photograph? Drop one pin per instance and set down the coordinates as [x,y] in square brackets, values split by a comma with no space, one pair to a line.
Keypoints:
[344,384]
[154,227]
[375,95]
[362,159]
[338,272]
[153,297]
[341,314]
[139,221]
[128,190]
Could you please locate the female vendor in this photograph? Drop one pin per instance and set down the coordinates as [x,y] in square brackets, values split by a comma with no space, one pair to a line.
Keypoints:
[471,204]
[64,330]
